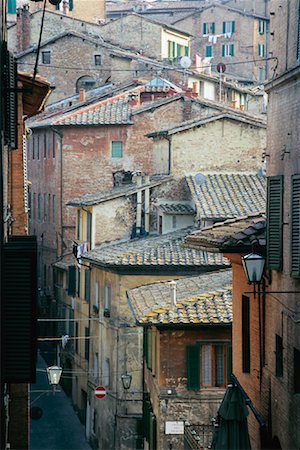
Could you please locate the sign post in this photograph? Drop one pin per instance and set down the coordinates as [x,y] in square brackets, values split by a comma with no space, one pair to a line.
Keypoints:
[100,392]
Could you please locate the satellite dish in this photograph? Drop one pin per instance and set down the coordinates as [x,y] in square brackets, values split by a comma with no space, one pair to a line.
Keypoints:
[185,62]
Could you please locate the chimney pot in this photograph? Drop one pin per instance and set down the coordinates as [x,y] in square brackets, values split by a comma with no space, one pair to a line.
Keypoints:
[81,94]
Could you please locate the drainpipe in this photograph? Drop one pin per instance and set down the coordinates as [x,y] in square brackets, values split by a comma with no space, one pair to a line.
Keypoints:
[139,206]
[147,203]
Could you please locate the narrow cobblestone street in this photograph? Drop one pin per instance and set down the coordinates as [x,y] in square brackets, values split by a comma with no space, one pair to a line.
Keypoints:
[59,427]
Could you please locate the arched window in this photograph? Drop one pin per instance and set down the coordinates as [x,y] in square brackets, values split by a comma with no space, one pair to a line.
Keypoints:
[85,82]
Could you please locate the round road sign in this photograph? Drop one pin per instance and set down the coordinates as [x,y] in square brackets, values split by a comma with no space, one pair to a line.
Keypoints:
[100,392]
[221,67]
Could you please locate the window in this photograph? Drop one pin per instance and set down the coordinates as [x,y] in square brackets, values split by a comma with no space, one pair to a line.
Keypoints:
[97,60]
[227,50]
[86,343]
[107,300]
[279,356]
[106,373]
[33,147]
[78,281]
[54,208]
[53,144]
[261,50]
[38,147]
[39,207]
[89,227]
[261,74]
[261,27]
[296,371]
[72,281]
[117,149]
[45,145]
[274,222]
[87,284]
[176,50]
[209,28]
[295,223]
[96,300]
[228,27]
[174,221]
[208,365]
[45,208]
[246,334]
[46,57]
[76,336]
[34,206]
[208,51]
[78,224]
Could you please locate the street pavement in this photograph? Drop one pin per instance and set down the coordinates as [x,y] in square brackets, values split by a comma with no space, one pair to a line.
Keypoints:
[59,427]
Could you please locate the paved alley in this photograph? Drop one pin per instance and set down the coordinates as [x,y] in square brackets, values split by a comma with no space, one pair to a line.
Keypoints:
[59,427]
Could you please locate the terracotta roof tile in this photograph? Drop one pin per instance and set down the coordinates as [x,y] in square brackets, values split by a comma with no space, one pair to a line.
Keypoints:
[205,299]
[164,250]
[224,196]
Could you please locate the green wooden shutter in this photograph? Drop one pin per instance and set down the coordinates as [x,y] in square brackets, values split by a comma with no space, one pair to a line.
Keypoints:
[186,51]
[70,5]
[208,51]
[146,345]
[116,149]
[204,28]
[274,222]
[213,28]
[173,49]
[231,49]
[193,367]
[72,281]
[11,6]
[224,27]
[232,26]
[223,49]
[295,226]
[87,284]
[178,50]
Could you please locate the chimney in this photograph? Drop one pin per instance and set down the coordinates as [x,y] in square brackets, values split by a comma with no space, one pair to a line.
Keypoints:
[173,286]
[134,99]
[23,28]
[65,7]
[187,109]
[81,94]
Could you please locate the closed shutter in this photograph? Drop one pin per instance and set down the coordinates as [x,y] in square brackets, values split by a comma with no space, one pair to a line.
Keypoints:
[72,281]
[229,362]
[11,101]
[223,49]
[204,28]
[295,226]
[19,298]
[274,222]
[193,367]
[224,27]
[186,51]
[231,49]
[232,26]
[178,50]
[87,284]
[70,5]
[11,6]
[213,28]
[208,51]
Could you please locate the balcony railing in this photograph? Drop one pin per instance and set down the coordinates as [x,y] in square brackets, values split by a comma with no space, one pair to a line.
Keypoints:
[198,437]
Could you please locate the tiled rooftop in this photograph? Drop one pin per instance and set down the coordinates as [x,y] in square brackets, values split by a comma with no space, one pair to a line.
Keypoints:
[205,299]
[232,234]
[176,208]
[99,197]
[224,196]
[163,251]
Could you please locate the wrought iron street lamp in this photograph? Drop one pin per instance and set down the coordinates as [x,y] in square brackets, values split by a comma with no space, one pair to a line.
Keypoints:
[54,374]
[254,265]
[126,380]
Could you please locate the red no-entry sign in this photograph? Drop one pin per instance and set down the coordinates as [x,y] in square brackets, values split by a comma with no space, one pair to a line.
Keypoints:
[100,392]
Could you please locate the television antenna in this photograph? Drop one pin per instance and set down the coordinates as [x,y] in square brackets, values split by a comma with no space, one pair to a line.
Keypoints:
[185,63]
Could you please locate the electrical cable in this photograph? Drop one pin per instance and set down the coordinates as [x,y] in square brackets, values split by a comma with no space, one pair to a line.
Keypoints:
[39,45]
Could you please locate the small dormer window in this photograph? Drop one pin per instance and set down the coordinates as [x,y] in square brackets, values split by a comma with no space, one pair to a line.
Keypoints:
[46,57]
[97,60]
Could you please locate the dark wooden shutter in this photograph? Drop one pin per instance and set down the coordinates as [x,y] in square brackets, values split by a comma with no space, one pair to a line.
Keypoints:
[224,27]
[213,28]
[72,281]
[193,367]
[233,26]
[204,28]
[246,334]
[229,362]
[279,356]
[295,226]
[18,340]
[274,222]
[87,284]
[11,100]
